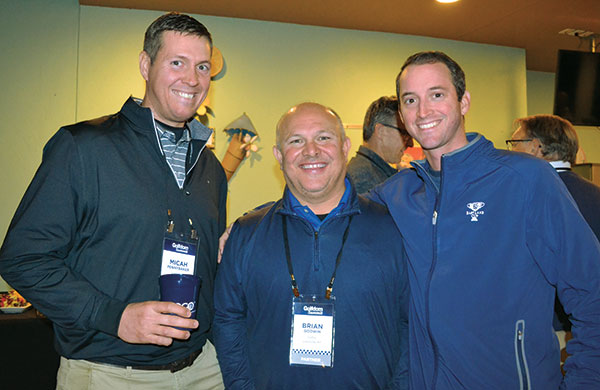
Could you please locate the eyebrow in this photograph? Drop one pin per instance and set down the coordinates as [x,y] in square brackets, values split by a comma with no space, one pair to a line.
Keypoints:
[184,57]
[434,88]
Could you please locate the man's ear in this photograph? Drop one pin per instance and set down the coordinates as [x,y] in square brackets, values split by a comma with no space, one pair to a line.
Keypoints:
[378,131]
[346,147]
[465,103]
[145,64]
[536,148]
[278,156]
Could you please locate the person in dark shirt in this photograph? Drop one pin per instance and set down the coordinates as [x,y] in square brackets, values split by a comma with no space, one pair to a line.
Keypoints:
[87,244]
[554,139]
[333,256]
[384,142]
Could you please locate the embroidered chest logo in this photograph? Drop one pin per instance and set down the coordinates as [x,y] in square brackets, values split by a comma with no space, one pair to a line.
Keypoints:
[476,211]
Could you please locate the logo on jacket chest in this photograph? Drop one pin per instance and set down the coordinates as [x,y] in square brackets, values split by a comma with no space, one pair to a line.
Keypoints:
[475,210]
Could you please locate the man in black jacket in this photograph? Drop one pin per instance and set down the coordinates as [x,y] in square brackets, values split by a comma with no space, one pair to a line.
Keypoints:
[87,243]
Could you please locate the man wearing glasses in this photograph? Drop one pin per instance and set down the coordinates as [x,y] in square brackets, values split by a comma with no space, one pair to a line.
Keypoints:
[384,142]
[554,139]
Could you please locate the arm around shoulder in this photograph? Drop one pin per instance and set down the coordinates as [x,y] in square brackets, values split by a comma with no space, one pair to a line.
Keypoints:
[229,326]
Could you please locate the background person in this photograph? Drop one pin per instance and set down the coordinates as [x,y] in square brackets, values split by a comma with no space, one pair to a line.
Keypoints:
[384,142]
[554,139]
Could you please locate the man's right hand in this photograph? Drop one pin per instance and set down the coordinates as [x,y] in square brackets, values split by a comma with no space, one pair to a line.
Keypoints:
[149,323]
[222,241]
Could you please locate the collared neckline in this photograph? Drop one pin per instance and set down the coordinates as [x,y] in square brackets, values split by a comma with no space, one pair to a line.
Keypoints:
[306,213]
[561,166]
[376,159]
[197,130]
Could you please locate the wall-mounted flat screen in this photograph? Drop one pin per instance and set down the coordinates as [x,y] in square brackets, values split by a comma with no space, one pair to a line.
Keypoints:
[577,87]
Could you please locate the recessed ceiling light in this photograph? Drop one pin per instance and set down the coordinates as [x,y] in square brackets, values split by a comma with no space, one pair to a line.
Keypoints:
[446,1]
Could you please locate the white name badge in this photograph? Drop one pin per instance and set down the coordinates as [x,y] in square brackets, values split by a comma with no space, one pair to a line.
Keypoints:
[313,332]
[179,257]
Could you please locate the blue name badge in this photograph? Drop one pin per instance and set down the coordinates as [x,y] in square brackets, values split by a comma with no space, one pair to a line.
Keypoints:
[179,257]
[313,330]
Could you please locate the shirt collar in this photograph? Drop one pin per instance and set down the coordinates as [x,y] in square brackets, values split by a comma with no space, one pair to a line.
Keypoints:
[165,133]
[198,131]
[306,213]
[560,164]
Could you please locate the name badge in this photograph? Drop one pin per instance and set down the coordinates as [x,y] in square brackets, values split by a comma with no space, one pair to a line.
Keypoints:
[179,257]
[312,331]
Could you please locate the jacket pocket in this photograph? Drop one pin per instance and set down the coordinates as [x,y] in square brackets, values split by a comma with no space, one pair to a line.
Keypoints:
[522,369]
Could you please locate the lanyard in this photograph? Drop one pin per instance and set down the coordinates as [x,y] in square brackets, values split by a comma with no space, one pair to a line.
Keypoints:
[288,257]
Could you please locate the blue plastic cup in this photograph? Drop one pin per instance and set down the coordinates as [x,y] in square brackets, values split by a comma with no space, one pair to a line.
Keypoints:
[181,289]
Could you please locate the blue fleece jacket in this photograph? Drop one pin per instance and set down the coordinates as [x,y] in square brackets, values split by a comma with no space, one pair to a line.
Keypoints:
[486,254]
[253,299]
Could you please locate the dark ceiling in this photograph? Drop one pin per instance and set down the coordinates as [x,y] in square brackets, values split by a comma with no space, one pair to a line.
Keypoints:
[530,24]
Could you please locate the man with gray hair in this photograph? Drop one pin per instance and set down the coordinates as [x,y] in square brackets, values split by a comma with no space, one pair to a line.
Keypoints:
[91,236]
[384,142]
[333,257]
[554,139]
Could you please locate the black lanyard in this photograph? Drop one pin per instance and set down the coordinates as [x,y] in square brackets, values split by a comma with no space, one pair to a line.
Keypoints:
[288,257]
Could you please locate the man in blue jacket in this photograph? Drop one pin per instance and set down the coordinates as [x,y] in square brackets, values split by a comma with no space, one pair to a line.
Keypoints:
[312,290]
[87,243]
[490,236]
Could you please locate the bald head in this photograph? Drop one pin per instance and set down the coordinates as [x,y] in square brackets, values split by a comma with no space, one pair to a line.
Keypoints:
[312,151]
[303,108]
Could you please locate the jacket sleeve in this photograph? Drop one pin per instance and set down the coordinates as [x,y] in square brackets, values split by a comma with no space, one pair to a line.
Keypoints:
[567,251]
[35,254]
[400,376]
[229,327]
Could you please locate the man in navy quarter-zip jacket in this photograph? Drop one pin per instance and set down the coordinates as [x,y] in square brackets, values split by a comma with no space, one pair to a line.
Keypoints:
[490,236]
[332,240]
[86,243]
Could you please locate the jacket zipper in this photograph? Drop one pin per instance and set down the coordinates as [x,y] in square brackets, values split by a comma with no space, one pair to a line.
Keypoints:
[522,369]
[315,262]
[427,297]
[434,220]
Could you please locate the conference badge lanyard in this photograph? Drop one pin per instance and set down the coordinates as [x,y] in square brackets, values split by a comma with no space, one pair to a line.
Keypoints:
[179,251]
[312,338]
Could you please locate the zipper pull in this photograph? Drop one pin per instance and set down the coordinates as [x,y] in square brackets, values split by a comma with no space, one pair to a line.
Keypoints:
[434,219]
[171,224]
[193,232]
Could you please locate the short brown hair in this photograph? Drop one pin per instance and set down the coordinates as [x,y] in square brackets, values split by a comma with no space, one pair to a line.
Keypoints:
[432,57]
[173,21]
[557,136]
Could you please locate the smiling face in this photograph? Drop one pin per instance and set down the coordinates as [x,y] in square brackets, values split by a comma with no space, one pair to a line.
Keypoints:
[430,109]
[312,154]
[178,80]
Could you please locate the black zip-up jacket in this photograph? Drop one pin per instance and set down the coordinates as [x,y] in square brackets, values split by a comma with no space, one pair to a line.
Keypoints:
[87,238]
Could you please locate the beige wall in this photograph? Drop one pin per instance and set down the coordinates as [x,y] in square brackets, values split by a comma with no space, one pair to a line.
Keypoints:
[75,63]
[38,77]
